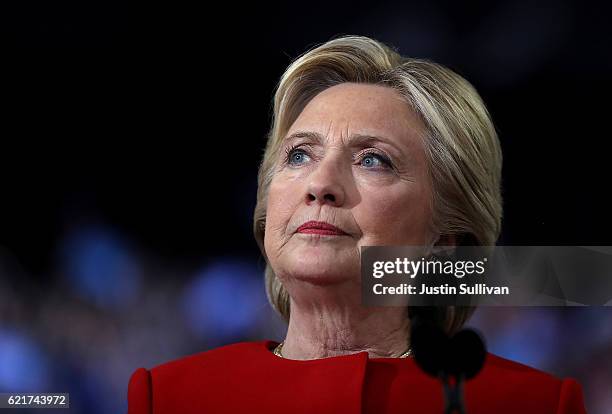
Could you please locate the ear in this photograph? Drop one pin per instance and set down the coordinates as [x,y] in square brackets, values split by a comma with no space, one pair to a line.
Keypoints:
[447,240]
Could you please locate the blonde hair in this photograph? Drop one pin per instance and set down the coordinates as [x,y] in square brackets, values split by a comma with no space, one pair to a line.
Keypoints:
[461,144]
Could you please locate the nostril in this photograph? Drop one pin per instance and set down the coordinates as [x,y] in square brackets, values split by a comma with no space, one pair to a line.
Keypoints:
[329,198]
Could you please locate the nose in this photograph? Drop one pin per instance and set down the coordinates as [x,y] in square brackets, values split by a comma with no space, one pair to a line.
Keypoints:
[325,184]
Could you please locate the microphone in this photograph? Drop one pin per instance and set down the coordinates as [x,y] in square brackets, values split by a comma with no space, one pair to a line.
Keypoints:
[450,359]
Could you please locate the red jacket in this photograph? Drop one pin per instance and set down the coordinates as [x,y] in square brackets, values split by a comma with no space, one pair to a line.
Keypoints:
[248,378]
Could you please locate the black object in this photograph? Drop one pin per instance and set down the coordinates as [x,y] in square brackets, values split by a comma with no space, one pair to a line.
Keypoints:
[450,359]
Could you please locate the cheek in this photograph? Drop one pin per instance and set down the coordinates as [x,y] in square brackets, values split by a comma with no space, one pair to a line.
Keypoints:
[398,215]
[280,208]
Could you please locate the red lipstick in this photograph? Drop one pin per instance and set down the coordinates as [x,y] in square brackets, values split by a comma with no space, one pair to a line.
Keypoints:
[320,227]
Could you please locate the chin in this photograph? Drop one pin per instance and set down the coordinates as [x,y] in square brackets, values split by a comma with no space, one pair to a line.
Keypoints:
[324,247]
[320,280]
[326,270]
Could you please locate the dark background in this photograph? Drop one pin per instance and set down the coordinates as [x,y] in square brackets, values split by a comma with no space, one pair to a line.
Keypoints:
[143,126]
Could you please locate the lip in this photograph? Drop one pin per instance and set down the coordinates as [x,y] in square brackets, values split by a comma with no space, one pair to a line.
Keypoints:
[320,227]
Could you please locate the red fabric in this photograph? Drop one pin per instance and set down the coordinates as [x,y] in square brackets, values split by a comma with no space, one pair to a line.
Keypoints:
[248,378]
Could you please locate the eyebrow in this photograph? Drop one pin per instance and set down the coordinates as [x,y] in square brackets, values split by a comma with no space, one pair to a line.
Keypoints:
[355,139]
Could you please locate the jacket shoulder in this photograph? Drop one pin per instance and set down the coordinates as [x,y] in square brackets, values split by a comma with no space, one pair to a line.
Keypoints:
[171,386]
[208,359]
[517,373]
[514,381]
[140,392]
[209,368]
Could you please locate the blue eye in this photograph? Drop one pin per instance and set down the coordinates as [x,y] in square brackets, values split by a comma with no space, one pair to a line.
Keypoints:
[296,157]
[375,161]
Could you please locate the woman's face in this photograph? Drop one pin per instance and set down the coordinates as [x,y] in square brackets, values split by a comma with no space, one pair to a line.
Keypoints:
[353,158]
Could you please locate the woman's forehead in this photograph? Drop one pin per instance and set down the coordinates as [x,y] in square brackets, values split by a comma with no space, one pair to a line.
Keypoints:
[351,109]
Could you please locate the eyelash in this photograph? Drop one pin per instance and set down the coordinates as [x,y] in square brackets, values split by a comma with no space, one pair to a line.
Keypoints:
[385,160]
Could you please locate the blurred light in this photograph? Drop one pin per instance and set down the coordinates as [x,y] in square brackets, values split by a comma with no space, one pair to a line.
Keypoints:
[224,300]
[595,329]
[100,267]
[530,340]
[23,367]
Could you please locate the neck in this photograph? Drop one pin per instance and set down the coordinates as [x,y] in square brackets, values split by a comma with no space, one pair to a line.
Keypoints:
[319,331]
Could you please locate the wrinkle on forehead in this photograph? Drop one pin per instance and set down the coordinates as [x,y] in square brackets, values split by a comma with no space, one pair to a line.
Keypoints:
[349,109]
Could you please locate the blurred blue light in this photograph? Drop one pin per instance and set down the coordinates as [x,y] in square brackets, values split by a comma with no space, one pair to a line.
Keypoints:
[224,300]
[533,341]
[100,267]
[23,367]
